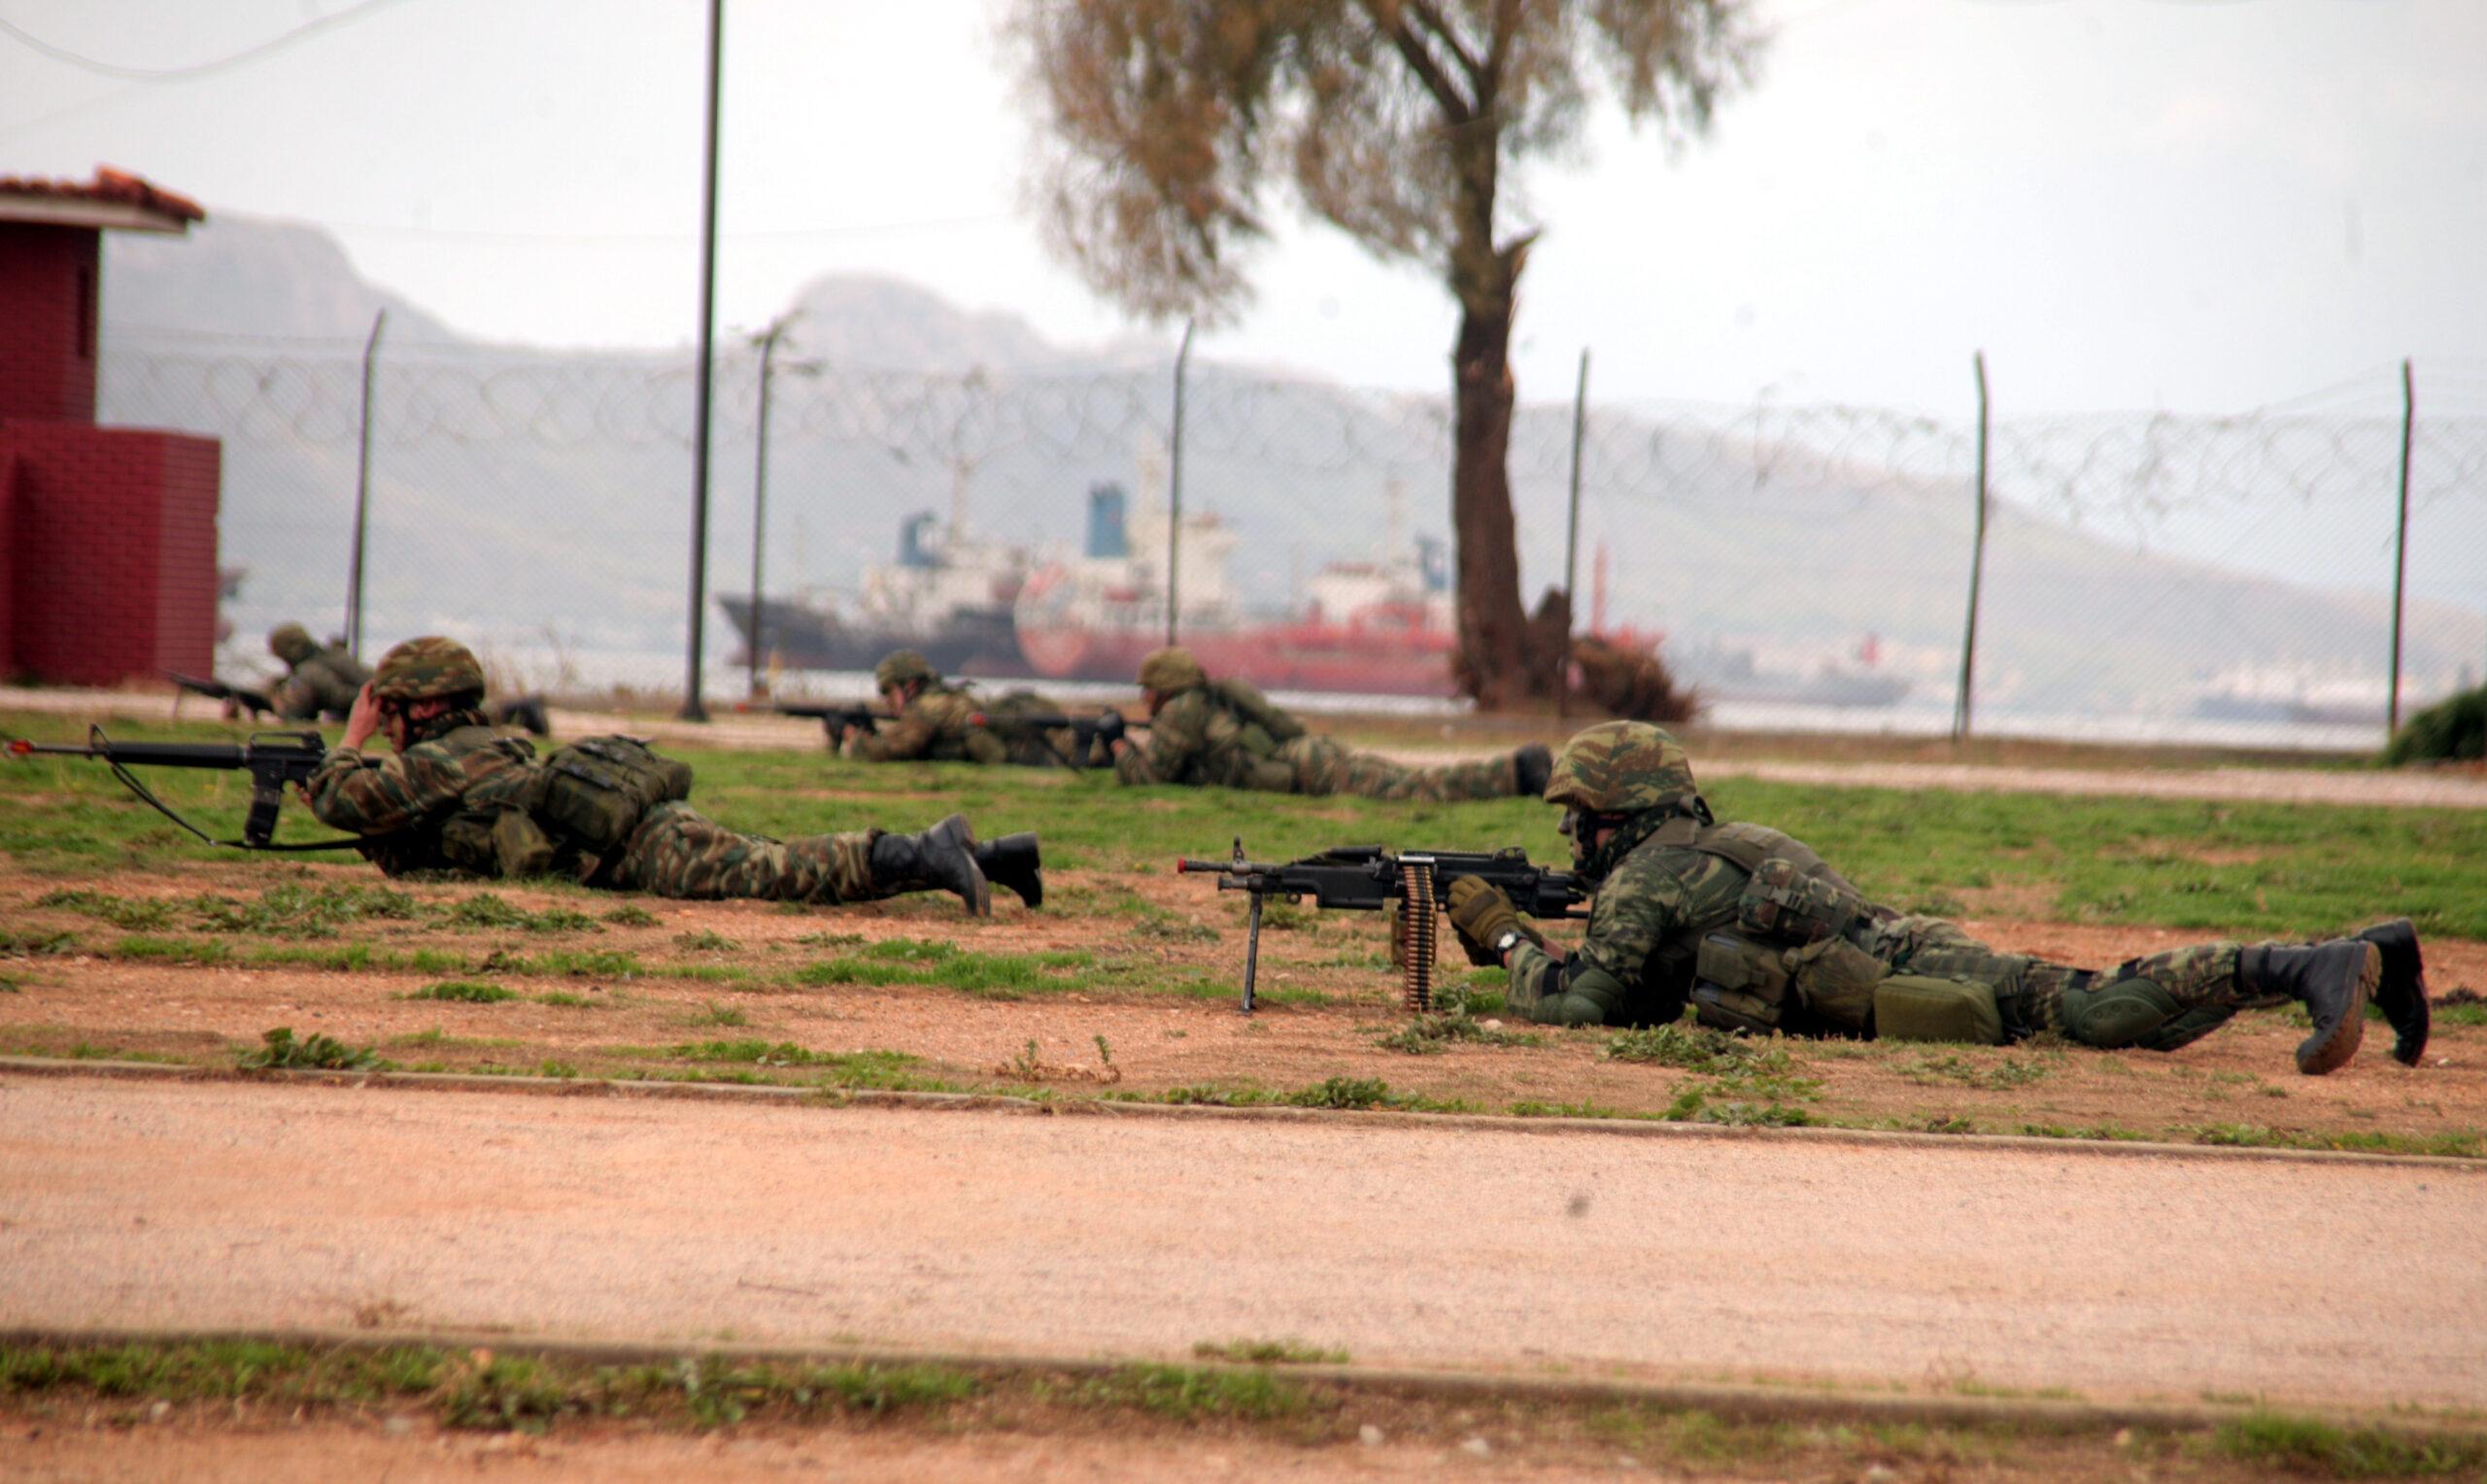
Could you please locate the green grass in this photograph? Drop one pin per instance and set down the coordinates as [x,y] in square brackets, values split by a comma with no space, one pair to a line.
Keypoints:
[1268,1351]
[989,976]
[2290,867]
[281,1050]
[2305,1446]
[1985,1074]
[1186,1394]
[463,992]
[1431,1034]
[631,915]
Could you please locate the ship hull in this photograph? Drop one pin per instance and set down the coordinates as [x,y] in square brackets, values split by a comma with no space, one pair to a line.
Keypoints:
[975,641]
[1282,656]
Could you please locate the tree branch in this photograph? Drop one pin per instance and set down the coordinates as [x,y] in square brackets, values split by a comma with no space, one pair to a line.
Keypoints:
[1438,24]
[1412,48]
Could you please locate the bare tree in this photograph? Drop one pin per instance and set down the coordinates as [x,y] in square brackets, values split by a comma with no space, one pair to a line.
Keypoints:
[1402,122]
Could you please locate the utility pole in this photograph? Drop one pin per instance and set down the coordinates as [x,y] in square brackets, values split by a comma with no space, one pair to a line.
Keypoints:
[694,709]
[1175,494]
[362,492]
[767,342]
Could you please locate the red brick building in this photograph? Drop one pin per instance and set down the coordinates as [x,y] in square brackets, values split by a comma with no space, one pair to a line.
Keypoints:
[107,534]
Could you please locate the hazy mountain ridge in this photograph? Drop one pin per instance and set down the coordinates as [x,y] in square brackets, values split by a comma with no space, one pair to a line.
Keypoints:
[541,528]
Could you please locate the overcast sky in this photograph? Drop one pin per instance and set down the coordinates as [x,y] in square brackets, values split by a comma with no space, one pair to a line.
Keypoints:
[2175,204]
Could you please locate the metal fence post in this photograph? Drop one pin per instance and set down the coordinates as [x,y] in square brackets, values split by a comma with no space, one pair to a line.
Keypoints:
[362,494]
[1174,491]
[1961,708]
[1571,542]
[2401,546]
[693,708]
[768,339]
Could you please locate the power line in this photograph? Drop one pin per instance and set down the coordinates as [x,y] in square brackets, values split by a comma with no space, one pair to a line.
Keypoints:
[274,44]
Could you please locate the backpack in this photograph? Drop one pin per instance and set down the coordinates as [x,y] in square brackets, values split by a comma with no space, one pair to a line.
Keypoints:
[597,789]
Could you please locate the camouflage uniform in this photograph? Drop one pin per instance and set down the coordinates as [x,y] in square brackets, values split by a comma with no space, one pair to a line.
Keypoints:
[1224,733]
[1663,886]
[320,680]
[436,808]
[934,728]
[938,722]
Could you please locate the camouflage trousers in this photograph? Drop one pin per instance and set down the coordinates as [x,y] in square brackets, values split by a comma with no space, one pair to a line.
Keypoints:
[2199,982]
[1322,767]
[679,852]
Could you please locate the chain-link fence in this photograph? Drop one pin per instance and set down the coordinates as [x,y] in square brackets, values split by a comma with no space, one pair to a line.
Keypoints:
[2146,576]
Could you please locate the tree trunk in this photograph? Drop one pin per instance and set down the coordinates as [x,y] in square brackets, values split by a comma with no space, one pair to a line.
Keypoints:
[1492,664]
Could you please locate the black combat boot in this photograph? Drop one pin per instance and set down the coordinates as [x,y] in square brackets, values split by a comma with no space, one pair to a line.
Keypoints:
[1011,862]
[1532,766]
[2403,994]
[942,859]
[2332,980]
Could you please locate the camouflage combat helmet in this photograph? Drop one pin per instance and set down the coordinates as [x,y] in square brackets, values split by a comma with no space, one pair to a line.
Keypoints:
[1621,768]
[898,667]
[291,643]
[1171,669]
[420,669]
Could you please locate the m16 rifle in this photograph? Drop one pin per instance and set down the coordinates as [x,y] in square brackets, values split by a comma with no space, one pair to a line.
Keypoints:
[1410,884]
[1108,726]
[834,717]
[276,761]
[257,702]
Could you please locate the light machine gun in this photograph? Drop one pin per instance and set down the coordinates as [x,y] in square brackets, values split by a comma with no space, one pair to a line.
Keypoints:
[1411,884]
[833,717]
[275,760]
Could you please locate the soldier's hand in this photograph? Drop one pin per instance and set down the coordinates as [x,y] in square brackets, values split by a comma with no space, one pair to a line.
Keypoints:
[364,718]
[1480,914]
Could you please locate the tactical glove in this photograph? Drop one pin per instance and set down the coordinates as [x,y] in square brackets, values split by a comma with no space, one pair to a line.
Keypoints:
[1480,914]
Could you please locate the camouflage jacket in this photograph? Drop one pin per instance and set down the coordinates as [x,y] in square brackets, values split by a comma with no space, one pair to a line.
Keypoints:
[433,806]
[934,726]
[1634,967]
[1195,738]
[326,684]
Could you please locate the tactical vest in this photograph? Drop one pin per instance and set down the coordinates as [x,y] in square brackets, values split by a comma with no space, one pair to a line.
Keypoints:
[1794,947]
[1244,733]
[592,794]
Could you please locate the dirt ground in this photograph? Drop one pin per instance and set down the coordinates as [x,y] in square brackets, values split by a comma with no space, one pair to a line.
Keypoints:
[206,1444]
[1154,1041]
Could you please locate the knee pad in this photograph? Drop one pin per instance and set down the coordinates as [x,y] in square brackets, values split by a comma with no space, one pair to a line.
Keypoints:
[2130,1012]
[2187,1029]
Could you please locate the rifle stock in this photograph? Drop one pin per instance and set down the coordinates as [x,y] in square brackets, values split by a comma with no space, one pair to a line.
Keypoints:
[1366,878]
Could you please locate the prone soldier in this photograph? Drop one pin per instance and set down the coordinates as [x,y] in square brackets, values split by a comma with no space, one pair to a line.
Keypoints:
[458,796]
[1225,732]
[1758,932]
[320,680]
[939,722]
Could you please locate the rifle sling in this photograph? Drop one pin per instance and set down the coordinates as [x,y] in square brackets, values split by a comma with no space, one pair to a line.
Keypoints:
[129,781]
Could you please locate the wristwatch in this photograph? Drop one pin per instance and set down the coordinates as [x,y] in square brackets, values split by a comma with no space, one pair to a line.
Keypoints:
[1507,940]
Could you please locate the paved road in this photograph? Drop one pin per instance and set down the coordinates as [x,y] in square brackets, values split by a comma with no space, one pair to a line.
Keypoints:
[221,1205]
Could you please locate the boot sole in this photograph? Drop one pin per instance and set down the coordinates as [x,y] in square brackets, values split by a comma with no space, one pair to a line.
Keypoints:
[955,831]
[2403,994]
[2319,1054]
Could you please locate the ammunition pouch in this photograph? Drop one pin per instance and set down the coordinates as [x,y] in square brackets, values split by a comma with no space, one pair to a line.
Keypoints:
[1739,985]
[595,792]
[1243,702]
[1911,1007]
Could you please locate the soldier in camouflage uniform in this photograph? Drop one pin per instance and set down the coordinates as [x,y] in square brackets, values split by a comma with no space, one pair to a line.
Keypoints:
[942,722]
[1752,928]
[320,680]
[1227,734]
[458,796]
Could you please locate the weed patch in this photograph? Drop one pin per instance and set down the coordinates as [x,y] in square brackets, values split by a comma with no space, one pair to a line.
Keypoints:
[1997,1075]
[279,1049]
[2304,1445]
[1268,1351]
[463,992]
